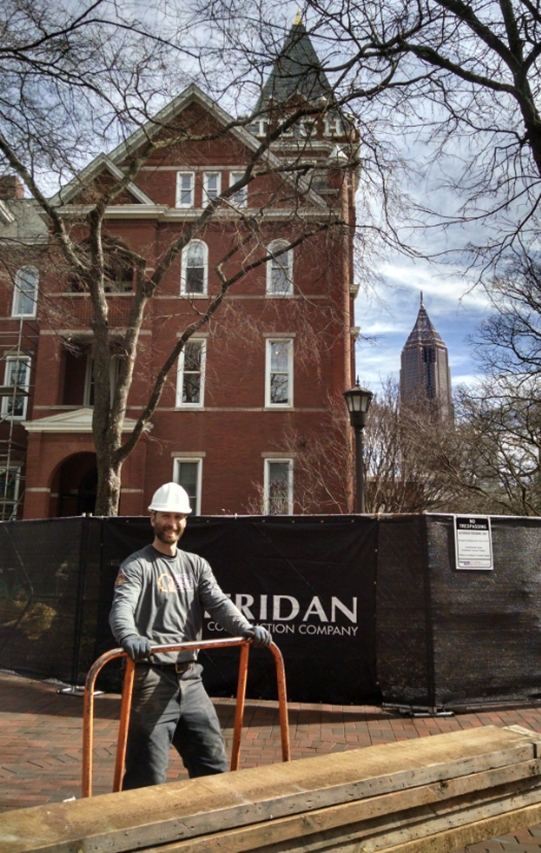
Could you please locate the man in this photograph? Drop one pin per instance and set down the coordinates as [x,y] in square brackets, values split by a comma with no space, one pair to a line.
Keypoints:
[160,596]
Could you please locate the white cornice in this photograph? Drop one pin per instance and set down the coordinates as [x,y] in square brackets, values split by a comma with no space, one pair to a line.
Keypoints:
[118,211]
[172,214]
[74,421]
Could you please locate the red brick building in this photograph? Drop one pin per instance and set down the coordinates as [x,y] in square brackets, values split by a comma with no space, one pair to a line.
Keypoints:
[261,377]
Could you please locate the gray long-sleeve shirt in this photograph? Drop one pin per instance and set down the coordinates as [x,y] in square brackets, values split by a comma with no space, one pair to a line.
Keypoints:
[163,598]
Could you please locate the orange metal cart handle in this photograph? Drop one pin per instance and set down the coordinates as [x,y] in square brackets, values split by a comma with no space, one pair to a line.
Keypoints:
[95,669]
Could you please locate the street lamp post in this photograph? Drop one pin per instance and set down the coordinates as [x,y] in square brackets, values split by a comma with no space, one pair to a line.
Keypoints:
[358,402]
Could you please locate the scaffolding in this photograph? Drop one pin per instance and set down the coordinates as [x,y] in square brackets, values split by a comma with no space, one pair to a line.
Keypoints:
[18,348]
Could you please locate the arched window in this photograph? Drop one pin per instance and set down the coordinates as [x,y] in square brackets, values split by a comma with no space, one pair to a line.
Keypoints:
[25,292]
[279,269]
[194,274]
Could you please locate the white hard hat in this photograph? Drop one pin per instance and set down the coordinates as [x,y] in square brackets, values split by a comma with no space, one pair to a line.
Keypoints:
[171,498]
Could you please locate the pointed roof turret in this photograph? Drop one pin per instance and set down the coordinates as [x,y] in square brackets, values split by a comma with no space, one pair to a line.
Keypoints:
[296,71]
[423,331]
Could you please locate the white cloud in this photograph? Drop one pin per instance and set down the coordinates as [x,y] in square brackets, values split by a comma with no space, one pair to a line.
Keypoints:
[453,307]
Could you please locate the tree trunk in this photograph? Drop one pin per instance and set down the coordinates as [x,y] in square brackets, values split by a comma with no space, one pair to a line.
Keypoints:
[108,492]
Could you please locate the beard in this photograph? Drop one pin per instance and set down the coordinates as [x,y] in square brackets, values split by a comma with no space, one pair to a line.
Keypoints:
[167,533]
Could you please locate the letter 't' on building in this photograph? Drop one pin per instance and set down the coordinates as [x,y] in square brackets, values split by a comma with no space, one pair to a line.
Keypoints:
[424,367]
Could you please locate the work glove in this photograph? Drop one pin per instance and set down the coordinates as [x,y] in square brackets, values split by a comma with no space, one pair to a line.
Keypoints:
[260,636]
[136,647]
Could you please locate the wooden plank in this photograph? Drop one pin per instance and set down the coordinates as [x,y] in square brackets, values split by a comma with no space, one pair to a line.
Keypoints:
[371,836]
[301,826]
[448,840]
[488,815]
[133,819]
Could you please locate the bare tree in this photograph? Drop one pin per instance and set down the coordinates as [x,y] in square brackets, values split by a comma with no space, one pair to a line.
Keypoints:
[97,69]
[501,438]
[415,461]
[446,88]
[322,462]
[408,448]
[509,341]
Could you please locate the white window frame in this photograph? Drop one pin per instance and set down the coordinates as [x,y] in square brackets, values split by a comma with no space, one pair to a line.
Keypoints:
[184,269]
[215,192]
[16,469]
[180,404]
[195,460]
[19,295]
[240,198]
[285,260]
[179,190]
[269,372]
[24,386]
[267,481]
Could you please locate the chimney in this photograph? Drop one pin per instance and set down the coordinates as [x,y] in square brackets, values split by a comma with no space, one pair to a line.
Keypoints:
[11,187]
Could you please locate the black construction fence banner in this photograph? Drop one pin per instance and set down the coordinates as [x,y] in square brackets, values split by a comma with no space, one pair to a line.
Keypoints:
[363,609]
[309,580]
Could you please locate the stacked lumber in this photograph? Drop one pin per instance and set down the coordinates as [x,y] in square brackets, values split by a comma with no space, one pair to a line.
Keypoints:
[430,794]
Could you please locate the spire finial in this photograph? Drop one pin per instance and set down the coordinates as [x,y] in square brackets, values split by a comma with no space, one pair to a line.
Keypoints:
[298,18]
[422,303]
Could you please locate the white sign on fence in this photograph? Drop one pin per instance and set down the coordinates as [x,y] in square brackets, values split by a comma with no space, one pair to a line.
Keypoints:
[473,542]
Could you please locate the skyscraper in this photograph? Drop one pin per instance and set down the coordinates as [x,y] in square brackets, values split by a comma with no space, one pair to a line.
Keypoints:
[424,367]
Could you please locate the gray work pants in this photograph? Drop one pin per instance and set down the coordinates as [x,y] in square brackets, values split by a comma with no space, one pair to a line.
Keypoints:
[171,709]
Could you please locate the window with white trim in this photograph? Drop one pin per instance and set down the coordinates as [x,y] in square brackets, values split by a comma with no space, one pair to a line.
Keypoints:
[212,186]
[194,271]
[240,198]
[185,189]
[25,292]
[16,379]
[279,373]
[279,269]
[191,374]
[188,473]
[10,479]
[278,485]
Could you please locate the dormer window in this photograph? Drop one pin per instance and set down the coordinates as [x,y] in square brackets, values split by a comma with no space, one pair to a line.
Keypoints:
[211,186]
[185,189]
[260,127]
[240,198]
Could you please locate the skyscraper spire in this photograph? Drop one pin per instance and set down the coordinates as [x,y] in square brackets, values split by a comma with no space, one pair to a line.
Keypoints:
[424,372]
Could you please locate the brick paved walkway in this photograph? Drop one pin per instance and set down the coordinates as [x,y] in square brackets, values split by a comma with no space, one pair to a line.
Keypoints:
[40,741]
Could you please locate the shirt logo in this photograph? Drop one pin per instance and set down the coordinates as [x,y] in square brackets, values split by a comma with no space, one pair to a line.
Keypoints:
[177,582]
[183,582]
[121,577]
[166,583]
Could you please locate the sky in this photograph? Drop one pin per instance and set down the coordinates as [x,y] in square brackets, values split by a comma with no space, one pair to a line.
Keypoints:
[387,318]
